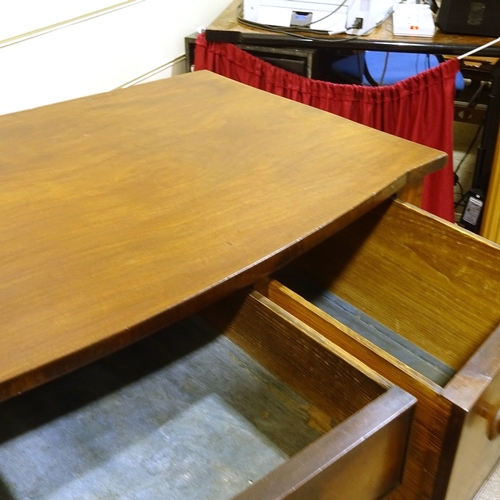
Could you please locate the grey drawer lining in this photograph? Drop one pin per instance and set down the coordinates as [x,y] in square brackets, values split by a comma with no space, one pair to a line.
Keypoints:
[374,331]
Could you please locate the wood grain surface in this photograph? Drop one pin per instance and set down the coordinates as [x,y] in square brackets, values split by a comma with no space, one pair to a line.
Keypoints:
[417,275]
[363,455]
[123,212]
[439,287]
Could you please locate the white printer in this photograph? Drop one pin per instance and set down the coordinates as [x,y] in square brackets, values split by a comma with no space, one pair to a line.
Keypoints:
[355,17]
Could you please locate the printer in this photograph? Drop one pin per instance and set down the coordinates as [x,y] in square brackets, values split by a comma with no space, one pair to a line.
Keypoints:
[355,17]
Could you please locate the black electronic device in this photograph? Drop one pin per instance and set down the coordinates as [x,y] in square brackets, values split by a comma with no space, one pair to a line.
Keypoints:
[472,216]
[470,17]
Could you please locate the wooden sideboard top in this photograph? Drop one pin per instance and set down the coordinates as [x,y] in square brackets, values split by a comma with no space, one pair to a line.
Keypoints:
[123,212]
[225,28]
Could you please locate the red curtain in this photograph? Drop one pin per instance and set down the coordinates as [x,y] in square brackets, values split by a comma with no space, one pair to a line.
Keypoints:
[419,108]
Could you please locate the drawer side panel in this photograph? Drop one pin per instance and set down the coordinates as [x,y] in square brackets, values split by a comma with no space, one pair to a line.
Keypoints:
[307,361]
[437,286]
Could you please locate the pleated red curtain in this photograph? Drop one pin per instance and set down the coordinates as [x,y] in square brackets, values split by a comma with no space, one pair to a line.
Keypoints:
[419,109]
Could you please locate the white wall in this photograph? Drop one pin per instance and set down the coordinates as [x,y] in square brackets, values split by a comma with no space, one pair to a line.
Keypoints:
[136,41]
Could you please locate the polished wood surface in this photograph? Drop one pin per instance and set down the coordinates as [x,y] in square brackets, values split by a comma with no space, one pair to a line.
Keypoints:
[399,265]
[473,434]
[126,211]
[429,423]
[491,219]
[226,28]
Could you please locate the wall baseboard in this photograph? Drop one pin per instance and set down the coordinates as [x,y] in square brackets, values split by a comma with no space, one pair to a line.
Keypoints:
[21,37]
[172,68]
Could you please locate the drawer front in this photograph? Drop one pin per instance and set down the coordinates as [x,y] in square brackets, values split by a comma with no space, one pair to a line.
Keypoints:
[431,293]
[354,461]
[363,456]
[473,437]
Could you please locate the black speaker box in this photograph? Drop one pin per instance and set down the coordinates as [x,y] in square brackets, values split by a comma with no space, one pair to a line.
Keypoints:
[470,17]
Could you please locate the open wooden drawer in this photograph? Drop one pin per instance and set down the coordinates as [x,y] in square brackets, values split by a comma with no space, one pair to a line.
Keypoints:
[191,413]
[418,300]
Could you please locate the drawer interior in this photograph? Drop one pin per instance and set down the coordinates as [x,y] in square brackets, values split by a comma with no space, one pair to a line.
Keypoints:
[424,290]
[203,409]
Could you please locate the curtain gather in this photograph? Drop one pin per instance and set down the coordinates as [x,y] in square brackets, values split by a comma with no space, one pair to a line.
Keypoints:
[420,108]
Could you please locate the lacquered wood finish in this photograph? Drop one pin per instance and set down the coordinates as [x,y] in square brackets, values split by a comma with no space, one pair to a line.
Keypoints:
[363,455]
[439,287]
[363,458]
[431,414]
[125,211]
[491,220]
[473,435]
[188,414]
[226,28]
[414,273]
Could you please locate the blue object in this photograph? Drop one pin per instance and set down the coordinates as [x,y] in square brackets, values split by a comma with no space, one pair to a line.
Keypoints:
[386,68]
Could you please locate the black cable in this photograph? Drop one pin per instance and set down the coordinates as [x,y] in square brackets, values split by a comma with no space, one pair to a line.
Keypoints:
[427,63]
[433,5]
[295,32]
[471,145]
[386,61]
[463,196]
[384,69]
[361,60]
[461,200]
[267,27]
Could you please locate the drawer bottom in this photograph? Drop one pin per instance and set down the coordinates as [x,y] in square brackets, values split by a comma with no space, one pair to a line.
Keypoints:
[184,414]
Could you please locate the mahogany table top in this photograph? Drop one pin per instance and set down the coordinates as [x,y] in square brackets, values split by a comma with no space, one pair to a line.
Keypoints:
[126,211]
